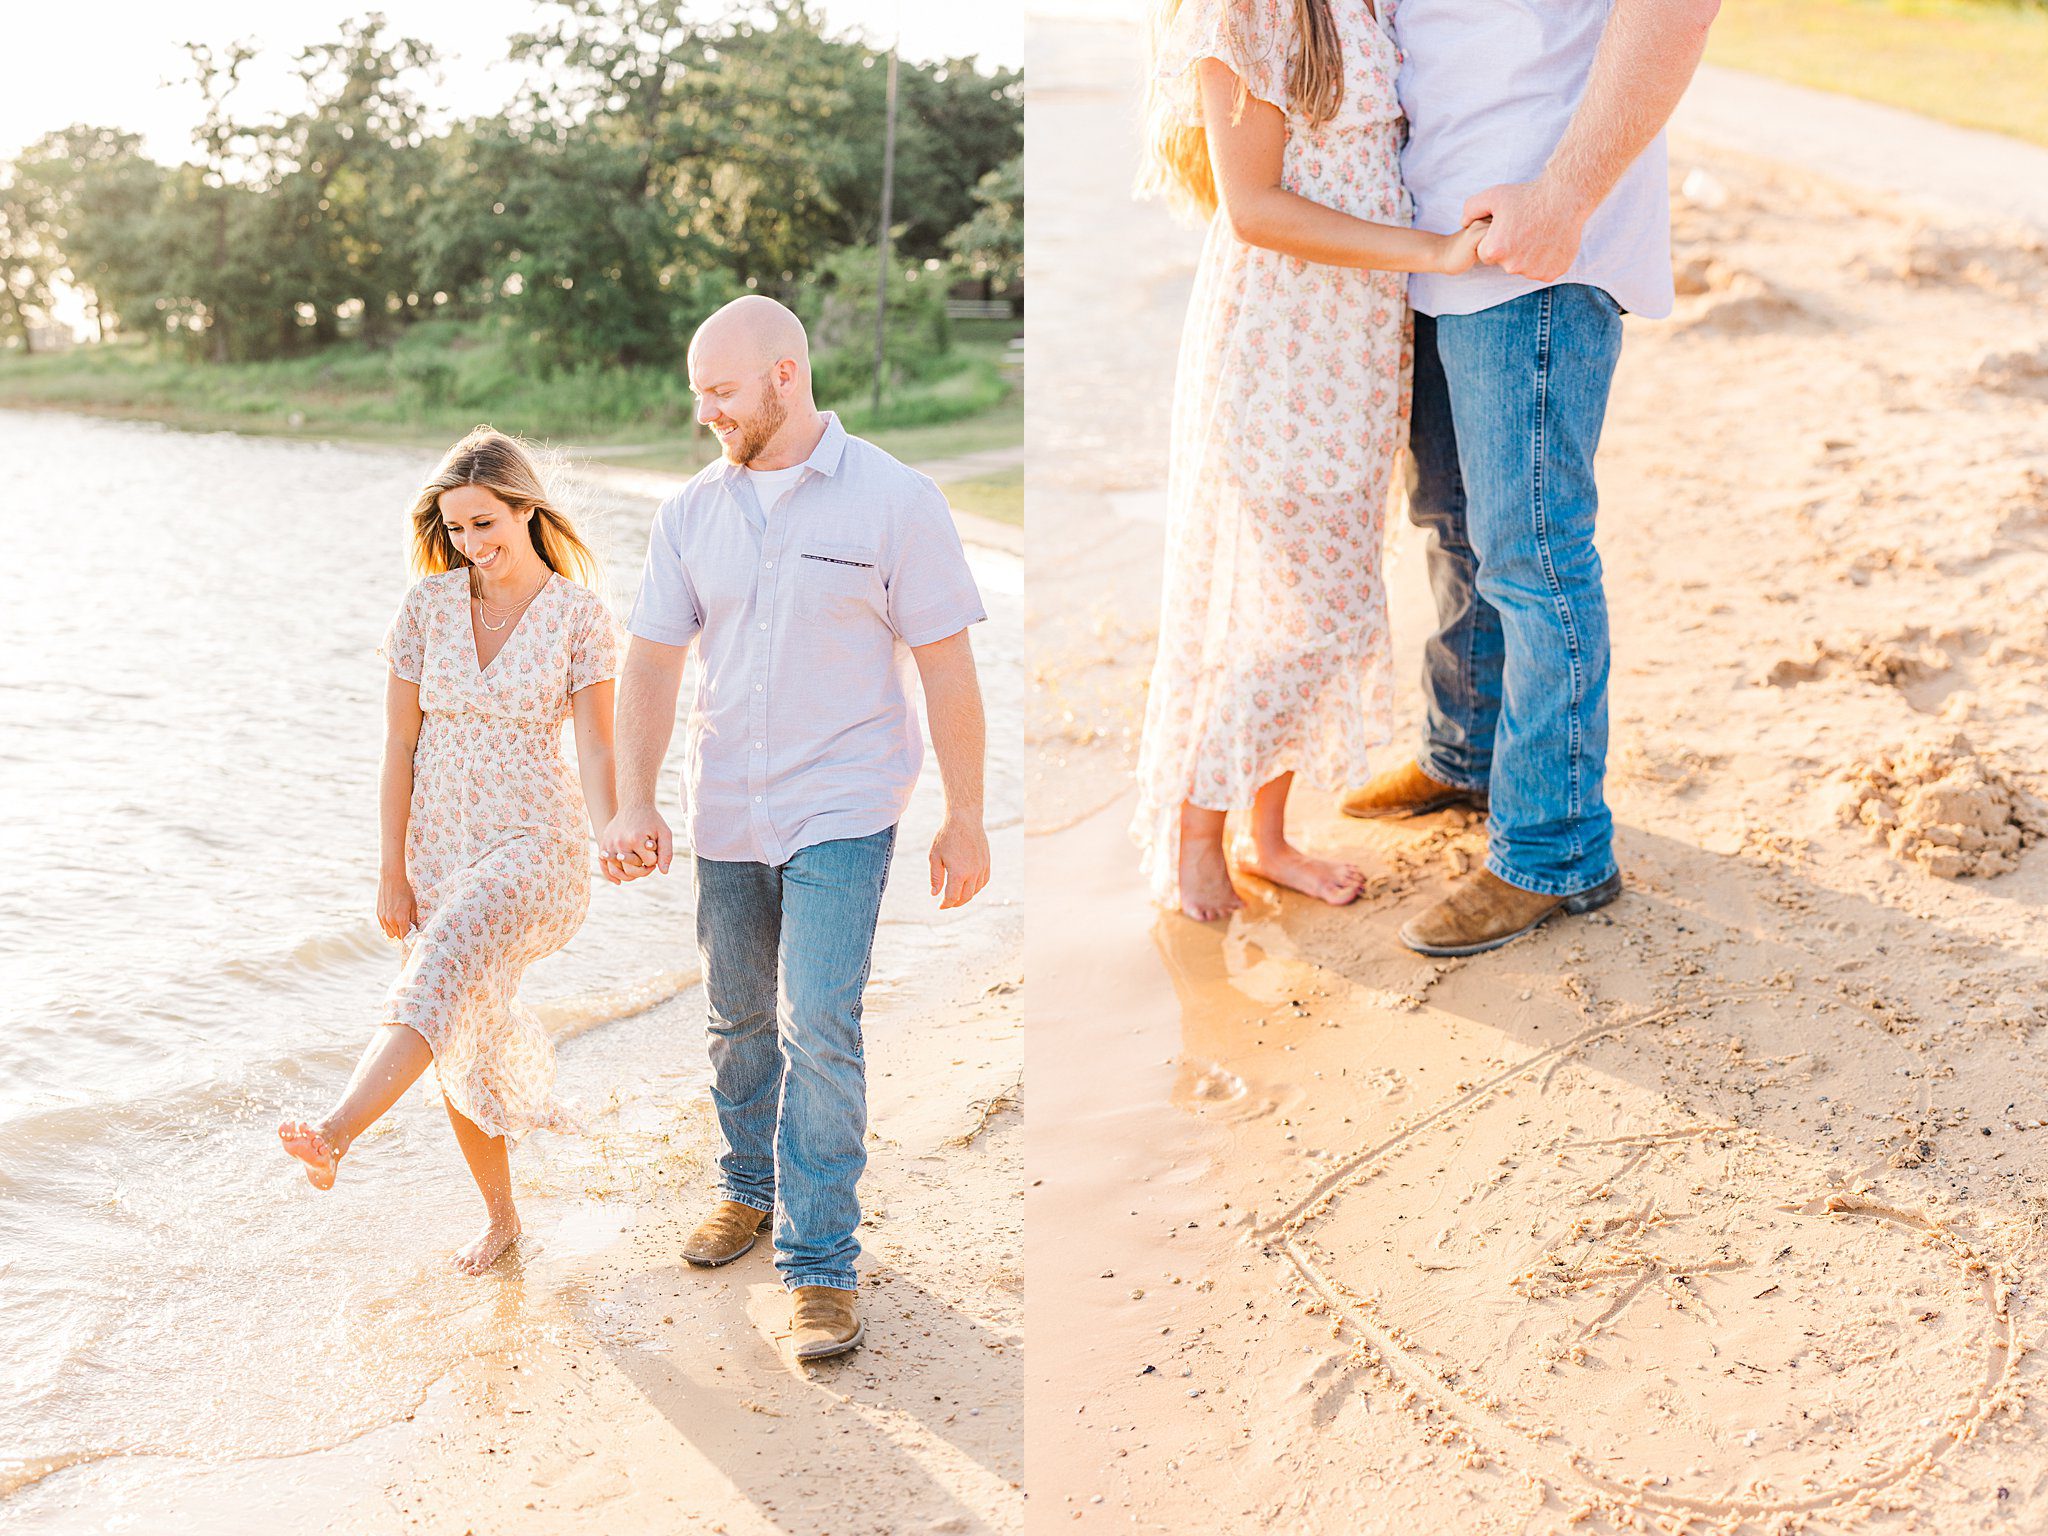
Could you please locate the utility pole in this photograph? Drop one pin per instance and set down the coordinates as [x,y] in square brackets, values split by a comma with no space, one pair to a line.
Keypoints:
[888,197]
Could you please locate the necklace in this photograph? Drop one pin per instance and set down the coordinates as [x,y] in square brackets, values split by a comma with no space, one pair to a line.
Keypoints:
[485,610]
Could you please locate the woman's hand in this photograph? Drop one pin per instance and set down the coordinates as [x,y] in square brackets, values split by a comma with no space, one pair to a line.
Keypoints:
[397,913]
[1461,251]
[635,842]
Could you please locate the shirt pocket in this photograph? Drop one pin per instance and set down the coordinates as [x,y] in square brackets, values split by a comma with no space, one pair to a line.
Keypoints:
[836,583]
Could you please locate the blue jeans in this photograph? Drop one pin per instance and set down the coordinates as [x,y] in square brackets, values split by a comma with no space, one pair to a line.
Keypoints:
[1508,408]
[786,950]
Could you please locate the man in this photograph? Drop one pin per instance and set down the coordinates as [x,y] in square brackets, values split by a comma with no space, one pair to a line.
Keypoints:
[1548,119]
[813,573]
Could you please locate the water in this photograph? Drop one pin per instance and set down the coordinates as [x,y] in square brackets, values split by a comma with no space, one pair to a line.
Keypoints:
[190,731]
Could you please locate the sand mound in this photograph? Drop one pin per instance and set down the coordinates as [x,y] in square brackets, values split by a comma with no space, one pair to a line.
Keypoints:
[1695,275]
[2005,263]
[1736,303]
[2026,511]
[1894,662]
[2021,372]
[1941,806]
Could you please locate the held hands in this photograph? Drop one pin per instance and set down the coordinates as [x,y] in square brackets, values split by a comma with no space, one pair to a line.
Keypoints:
[637,842]
[1534,231]
[1461,251]
[960,860]
[397,913]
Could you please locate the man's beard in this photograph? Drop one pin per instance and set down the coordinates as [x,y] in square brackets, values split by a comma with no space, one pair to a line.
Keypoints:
[755,435]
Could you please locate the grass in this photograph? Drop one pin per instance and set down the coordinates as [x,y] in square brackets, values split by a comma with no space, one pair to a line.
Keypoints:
[999,496]
[440,379]
[999,427]
[1976,63]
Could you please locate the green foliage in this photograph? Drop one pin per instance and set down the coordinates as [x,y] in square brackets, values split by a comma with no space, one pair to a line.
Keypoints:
[676,156]
[28,258]
[990,245]
[437,378]
[838,307]
[100,196]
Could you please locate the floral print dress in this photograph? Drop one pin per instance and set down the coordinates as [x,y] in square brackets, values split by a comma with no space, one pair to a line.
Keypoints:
[1290,407]
[496,847]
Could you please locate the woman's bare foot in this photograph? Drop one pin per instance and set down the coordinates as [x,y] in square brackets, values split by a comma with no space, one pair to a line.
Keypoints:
[309,1146]
[1205,889]
[480,1254]
[1284,864]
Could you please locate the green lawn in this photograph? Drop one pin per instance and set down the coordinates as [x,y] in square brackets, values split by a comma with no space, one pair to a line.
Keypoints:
[1978,63]
[441,379]
[999,496]
[1000,427]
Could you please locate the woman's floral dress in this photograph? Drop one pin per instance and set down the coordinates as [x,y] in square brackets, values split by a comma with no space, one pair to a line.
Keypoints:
[497,846]
[1290,408]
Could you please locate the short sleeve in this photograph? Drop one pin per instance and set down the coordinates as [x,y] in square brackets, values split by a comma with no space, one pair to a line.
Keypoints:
[931,590]
[1251,36]
[593,646]
[405,642]
[666,609]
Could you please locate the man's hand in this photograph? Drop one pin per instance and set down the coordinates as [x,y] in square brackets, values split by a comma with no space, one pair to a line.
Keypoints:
[959,861]
[1536,228]
[636,842]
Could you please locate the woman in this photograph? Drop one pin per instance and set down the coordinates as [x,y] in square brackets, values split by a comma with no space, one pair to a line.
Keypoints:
[1277,121]
[484,864]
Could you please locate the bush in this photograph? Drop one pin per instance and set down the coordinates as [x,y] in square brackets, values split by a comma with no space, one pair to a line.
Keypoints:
[837,303]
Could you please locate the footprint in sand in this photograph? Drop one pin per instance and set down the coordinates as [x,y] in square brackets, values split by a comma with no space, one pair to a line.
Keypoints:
[1650,1310]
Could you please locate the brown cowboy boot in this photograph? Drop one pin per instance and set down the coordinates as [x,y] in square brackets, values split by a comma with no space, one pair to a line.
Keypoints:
[1407,791]
[824,1322]
[1484,912]
[724,1235]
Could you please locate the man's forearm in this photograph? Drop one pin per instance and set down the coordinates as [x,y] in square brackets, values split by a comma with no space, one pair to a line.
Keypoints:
[1647,57]
[952,698]
[648,685]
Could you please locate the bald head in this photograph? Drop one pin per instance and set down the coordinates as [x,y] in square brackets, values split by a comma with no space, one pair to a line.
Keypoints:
[750,366]
[751,335]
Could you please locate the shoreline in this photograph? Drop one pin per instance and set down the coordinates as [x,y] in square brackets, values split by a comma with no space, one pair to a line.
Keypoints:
[620,481]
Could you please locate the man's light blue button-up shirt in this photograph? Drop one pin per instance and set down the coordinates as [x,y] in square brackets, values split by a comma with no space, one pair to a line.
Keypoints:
[801,727]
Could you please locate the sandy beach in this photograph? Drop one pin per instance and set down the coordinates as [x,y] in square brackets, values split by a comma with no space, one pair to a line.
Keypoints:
[270,1358]
[1720,1210]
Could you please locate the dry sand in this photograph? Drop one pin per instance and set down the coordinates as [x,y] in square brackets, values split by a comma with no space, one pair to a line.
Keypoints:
[1720,1210]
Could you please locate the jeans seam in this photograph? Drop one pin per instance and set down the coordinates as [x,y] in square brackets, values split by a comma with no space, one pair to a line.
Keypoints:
[1574,730]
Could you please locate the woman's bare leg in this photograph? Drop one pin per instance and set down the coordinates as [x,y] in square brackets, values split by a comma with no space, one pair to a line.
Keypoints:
[1269,855]
[1205,889]
[492,1170]
[390,1064]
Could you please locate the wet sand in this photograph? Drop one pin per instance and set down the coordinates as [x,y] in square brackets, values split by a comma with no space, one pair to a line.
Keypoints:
[1720,1210]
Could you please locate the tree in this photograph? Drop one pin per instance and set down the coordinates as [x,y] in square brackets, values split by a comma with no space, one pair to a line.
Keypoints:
[346,177]
[28,258]
[838,306]
[990,245]
[210,277]
[101,197]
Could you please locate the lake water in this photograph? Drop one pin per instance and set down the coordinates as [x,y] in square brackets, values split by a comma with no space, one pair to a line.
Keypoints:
[190,730]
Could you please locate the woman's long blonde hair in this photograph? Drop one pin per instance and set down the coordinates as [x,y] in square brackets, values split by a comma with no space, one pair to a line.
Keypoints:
[502,466]
[1176,161]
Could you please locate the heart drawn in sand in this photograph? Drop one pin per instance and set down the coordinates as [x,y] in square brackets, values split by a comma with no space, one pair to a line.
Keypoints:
[1683,1317]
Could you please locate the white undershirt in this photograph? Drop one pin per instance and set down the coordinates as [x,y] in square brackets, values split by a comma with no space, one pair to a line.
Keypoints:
[771,485]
